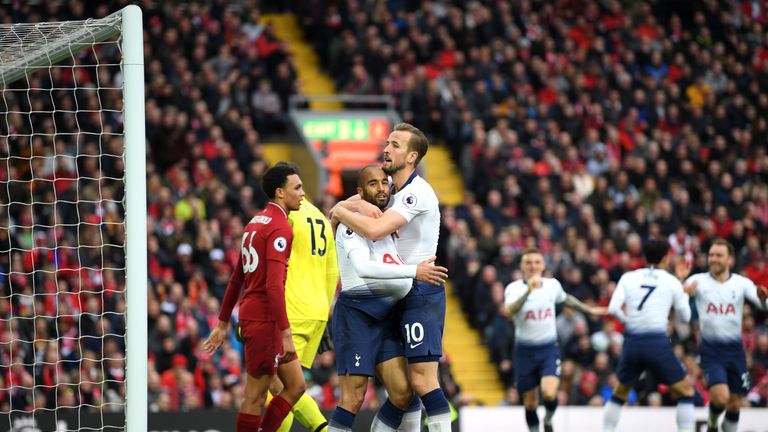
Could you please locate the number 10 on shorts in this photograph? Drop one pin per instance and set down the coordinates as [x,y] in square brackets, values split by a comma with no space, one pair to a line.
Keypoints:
[414,334]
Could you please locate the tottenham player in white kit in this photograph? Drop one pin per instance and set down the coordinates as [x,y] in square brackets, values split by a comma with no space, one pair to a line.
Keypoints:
[648,294]
[531,301]
[719,296]
[414,216]
[373,279]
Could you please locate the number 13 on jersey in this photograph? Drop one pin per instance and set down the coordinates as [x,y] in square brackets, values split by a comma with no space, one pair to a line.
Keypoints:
[321,224]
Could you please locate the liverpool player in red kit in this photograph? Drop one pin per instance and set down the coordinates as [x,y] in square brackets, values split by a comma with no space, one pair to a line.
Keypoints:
[266,247]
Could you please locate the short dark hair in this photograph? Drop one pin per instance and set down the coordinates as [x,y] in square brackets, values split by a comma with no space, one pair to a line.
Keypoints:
[276,177]
[723,242]
[418,142]
[655,251]
[530,250]
[363,170]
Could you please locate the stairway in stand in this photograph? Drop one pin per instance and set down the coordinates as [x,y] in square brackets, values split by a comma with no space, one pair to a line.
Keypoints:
[470,361]
[313,81]
[444,176]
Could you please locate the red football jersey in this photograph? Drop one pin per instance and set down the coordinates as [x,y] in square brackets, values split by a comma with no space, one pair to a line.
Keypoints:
[262,266]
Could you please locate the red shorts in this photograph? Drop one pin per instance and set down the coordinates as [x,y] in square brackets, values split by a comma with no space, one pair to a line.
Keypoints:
[263,345]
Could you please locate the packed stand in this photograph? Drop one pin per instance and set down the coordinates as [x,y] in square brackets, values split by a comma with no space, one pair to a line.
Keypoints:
[581,127]
[216,80]
[62,260]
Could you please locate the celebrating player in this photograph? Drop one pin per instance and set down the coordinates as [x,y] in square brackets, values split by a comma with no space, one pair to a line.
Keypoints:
[415,215]
[648,294]
[719,296]
[531,301]
[266,247]
[373,279]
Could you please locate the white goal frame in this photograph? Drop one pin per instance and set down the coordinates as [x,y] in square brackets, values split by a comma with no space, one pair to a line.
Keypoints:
[13,67]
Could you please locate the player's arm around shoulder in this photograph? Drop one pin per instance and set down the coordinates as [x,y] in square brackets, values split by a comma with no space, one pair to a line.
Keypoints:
[374,229]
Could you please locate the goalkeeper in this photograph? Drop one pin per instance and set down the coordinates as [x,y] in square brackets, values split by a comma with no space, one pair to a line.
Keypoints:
[310,286]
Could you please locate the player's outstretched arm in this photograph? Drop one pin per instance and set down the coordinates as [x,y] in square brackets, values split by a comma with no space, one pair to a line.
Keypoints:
[762,293]
[582,307]
[427,271]
[756,294]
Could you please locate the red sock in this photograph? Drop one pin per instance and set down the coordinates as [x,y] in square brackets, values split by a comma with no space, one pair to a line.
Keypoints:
[248,422]
[277,409]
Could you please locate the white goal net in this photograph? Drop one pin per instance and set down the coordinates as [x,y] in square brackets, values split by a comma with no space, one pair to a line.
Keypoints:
[63,249]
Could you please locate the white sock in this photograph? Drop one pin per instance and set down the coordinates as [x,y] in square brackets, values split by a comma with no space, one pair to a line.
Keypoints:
[731,422]
[439,423]
[611,414]
[380,426]
[685,415]
[411,422]
[337,428]
[533,428]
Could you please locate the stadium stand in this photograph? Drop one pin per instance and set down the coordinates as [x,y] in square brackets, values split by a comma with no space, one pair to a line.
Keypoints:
[580,126]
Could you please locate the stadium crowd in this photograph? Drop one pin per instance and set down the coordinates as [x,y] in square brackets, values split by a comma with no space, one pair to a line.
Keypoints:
[580,126]
[583,128]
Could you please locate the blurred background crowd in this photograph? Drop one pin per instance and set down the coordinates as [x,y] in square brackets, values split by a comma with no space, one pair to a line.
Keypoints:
[581,127]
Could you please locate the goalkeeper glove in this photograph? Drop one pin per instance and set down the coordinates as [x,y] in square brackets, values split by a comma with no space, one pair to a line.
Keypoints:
[239,333]
[326,343]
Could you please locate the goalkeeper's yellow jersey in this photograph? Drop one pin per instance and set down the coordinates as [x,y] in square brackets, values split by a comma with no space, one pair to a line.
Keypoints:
[313,272]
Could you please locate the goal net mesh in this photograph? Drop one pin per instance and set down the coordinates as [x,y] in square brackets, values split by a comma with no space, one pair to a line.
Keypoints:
[62,226]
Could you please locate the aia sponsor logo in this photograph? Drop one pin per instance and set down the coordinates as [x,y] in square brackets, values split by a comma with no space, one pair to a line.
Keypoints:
[721,309]
[539,314]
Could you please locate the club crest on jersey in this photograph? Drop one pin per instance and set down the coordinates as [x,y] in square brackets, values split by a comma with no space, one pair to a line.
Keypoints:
[349,233]
[280,244]
[409,200]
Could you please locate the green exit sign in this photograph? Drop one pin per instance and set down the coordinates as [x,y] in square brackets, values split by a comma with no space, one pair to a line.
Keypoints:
[345,129]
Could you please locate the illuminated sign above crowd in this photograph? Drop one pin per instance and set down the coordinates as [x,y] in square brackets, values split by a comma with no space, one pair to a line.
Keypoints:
[346,129]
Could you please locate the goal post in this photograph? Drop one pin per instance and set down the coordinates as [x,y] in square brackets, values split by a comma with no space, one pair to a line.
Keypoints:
[73,249]
[136,220]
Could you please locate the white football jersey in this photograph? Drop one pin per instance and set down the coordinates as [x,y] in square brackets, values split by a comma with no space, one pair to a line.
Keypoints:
[392,278]
[720,305]
[417,203]
[648,294]
[535,321]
